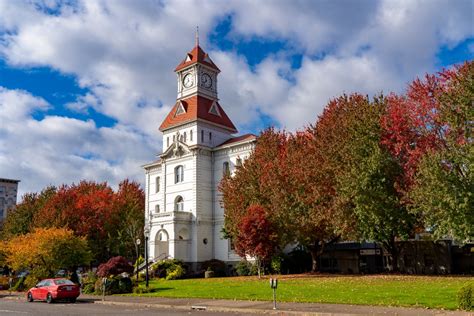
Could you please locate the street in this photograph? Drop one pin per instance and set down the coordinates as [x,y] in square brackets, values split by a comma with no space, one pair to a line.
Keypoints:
[87,307]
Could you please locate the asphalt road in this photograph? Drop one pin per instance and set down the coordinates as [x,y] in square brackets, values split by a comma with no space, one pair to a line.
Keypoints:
[23,308]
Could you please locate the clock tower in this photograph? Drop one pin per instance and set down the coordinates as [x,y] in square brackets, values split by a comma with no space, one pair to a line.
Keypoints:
[183,212]
[197,75]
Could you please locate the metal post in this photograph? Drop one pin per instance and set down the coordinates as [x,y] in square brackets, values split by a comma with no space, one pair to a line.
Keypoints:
[274,299]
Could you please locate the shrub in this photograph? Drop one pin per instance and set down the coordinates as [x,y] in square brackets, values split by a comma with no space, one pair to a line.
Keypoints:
[466,297]
[163,268]
[114,266]
[142,290]
[174,272]
[114,285]
[215,265]
[125,285]
[88,288]
[243,268]
[276,264]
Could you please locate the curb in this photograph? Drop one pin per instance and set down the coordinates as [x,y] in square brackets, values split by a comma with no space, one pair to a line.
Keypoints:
[223,309]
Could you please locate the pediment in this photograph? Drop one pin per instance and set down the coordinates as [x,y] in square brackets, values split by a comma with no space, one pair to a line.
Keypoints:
[176,150]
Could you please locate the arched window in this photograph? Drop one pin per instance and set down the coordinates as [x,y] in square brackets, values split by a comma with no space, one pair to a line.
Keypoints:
[178,174]
[184,137]
[167,142]
[179,203]
[226,169]
[191,135]
[157,183]
[202,136]
[157,208]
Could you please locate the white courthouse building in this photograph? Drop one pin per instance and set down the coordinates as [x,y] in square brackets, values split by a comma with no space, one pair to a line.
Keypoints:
[183,205]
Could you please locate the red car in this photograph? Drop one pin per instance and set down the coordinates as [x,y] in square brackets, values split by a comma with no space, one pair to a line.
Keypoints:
[50,290]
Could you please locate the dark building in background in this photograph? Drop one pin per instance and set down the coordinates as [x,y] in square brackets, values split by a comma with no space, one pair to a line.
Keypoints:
[415,257]
[8,195]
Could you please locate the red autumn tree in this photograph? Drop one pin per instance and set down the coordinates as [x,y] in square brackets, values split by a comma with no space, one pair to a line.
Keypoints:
[254,182]
[87,209]
[257,236]
[412,126]
[129,205]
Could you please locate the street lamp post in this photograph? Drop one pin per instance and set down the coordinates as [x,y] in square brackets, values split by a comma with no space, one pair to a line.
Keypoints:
[147,234]
[138,242]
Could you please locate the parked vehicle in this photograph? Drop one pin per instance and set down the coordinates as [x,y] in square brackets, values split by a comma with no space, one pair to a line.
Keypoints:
[50,290]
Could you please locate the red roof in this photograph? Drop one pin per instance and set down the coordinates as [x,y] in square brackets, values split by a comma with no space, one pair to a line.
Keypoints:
[197,55]
[197,107]
[238,139]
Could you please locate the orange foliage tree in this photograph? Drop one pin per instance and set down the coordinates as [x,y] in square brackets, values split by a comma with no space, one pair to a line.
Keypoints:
[46,250]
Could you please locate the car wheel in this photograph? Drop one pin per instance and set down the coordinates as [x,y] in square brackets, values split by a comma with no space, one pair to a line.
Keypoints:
[29,297]
[49,298]
[72,300]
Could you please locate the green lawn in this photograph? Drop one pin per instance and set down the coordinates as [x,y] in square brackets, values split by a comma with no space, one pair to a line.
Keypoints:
[393,290]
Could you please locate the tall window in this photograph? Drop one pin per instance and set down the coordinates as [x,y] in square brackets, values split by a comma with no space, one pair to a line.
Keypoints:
[210,136]
[179,203]
[178,174]
[238,162]
[167,141]
[157,184]
[157,208]
[184,137]
[226,169]
[202,136]
[191,135]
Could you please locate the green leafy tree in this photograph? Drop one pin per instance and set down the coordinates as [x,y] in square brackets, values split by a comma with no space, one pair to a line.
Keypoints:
[443,191]
[367,179]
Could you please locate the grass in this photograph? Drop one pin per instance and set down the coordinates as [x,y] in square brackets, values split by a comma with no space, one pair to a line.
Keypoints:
[386,290]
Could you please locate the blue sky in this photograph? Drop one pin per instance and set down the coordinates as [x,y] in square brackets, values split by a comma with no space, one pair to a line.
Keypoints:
[84,85]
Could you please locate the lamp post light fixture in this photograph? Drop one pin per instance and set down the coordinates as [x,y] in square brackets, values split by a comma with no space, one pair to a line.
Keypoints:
[138,242]
[146,232]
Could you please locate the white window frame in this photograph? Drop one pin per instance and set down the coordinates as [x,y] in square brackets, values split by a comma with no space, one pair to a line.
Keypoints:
[157,184]
[179,204]
[178,174]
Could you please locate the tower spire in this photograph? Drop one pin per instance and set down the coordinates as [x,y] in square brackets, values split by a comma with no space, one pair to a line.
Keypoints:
[197,36]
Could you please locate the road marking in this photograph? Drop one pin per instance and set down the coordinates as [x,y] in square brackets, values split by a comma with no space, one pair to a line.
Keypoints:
[8,311]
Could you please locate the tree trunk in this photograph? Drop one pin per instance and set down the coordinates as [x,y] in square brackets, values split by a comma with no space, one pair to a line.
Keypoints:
[392,249]
[315,250]
[314,260]
[258,268]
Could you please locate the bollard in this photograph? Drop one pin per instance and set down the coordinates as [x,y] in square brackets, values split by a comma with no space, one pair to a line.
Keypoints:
[274,285]
[104,283]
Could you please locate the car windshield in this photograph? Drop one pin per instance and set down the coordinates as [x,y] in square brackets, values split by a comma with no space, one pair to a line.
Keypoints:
[63,281]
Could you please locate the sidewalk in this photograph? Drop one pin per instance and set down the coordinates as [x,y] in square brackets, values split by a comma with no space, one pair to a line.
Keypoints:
[246,307]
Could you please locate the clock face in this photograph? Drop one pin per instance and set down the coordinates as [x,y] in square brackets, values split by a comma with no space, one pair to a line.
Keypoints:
[206,80]
[188,80]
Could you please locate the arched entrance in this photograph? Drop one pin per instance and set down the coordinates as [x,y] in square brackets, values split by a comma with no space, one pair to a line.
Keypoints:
[161,244]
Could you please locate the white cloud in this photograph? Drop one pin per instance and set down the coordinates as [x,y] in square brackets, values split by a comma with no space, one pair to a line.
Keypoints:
[124,53]
[58,150]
